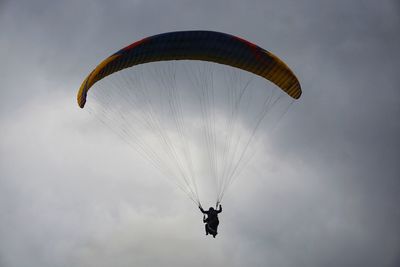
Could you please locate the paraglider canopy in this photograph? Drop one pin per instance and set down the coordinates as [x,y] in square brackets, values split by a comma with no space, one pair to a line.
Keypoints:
[197,45]
[190,120]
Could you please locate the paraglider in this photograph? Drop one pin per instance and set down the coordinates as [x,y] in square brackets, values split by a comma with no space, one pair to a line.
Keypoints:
[211,221]
[197,45]
[198,118]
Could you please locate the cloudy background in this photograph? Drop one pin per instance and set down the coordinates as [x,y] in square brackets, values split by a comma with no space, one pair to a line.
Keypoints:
[325,191]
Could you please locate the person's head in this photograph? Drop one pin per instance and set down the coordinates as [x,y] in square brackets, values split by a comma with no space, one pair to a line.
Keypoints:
[211,208]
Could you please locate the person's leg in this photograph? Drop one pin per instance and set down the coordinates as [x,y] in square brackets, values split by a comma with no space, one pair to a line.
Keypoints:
[213,227]
[206,226]
[211,230]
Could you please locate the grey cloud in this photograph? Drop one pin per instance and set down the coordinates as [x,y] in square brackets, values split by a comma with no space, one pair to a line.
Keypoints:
[322,192]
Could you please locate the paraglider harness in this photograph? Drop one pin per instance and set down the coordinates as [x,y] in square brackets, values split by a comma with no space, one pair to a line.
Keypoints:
[211,220]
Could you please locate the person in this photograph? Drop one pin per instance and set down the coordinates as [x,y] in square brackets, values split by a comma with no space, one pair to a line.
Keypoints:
[211,222]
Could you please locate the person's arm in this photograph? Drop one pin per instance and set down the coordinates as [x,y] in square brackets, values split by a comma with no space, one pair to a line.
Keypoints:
[201,209]
[220,208]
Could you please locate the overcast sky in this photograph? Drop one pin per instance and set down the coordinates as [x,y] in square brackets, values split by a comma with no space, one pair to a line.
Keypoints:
[323,192]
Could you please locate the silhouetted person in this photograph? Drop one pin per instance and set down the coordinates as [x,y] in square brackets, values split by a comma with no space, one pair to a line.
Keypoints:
[212,220]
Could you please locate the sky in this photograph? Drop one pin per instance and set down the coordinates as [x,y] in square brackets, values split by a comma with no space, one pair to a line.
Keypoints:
[323,192]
